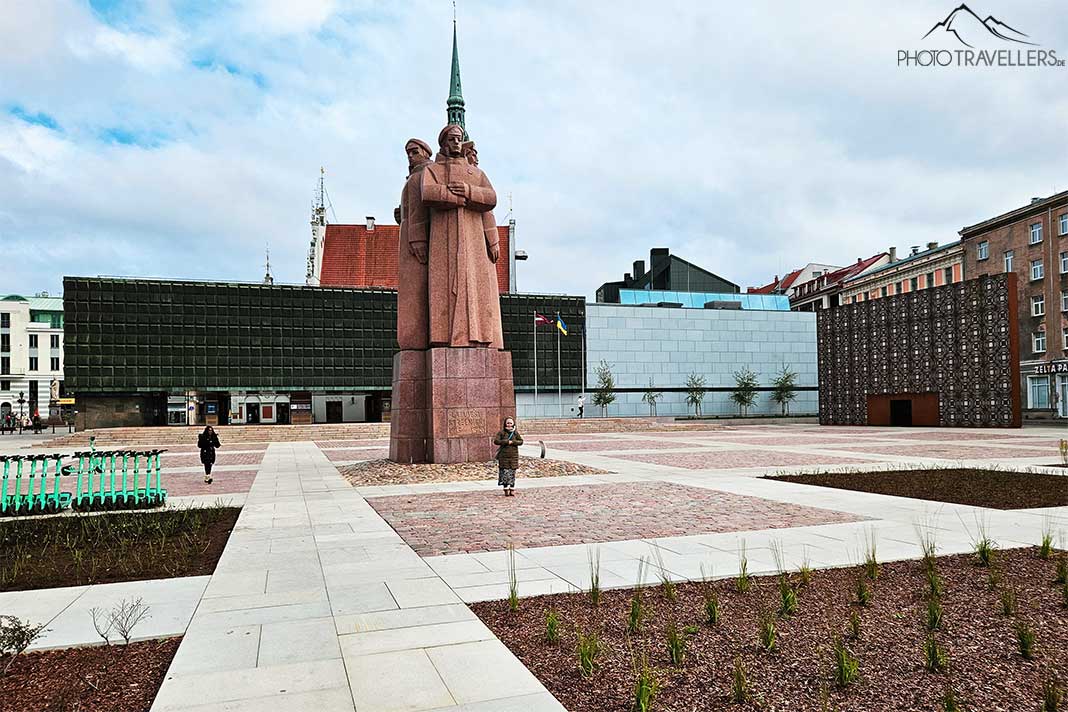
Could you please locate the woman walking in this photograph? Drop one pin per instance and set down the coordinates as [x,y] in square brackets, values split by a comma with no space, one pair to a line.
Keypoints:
[208,441]
[508,441]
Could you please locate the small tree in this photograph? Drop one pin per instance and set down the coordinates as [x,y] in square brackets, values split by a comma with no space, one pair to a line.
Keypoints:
[745,389]
[651,396]
[695,392]
[785,384]
[604,395]
[15,637]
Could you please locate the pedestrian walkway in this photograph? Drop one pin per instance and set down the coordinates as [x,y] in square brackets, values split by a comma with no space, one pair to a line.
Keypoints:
[318,604]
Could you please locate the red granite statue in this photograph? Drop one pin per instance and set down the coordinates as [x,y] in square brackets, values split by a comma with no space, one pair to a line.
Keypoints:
[412,315]
[462,287]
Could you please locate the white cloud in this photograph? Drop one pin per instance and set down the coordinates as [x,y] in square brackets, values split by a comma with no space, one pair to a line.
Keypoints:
[749,139]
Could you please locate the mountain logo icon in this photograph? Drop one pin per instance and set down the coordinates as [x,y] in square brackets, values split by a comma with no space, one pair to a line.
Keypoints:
[969,28]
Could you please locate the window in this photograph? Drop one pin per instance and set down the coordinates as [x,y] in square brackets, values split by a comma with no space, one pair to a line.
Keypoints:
[948,276]
[1036,233]
[33,341]
[33,363]
[54,339]
[1064,263]
[1008,260]
[930,279]
[882,292]
[1038,305]
[5,364]
[1038,391]
[1038,342]
[1064,224]
[53,363]
[5,385]
[914,284]
[5,320]
[900,288]
[1064,300]
[1037,272]
[1064,338]
[5,342]
[982,250]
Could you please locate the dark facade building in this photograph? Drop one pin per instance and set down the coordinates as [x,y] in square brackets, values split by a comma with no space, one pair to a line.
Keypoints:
[667,273]
[148,352]
[946,355]
[1032,243]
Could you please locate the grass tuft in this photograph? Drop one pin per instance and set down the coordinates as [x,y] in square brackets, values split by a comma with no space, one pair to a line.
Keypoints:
[1008,601]
[787,597]
[676,644]
[552,626]
[594,558]
[863,591]
[846,665]
[513,582]
[1053,695]
[743,582]
[1025,640]
[667,586]
[871,562]
[767,634]
[740,682]
[854,625]
[1045,548]
[1062,570]
[934,614]
[950,702]
[634,618]
[935,658]
[588,648]
[935,587]
[645,687]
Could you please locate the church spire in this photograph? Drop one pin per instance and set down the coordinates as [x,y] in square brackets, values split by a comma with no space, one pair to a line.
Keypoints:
[455,104]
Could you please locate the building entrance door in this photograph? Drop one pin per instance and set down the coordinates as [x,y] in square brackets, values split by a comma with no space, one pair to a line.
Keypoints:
[333,411]
[253,413]
[901,413]
[283,414]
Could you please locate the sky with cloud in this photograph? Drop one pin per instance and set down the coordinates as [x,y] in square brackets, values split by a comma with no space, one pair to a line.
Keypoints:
[179,139]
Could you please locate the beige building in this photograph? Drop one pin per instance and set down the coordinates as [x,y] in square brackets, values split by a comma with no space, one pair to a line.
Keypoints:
[31,352]
[920,269]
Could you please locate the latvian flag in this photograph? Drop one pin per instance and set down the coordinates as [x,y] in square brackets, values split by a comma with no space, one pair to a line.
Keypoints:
[540,319]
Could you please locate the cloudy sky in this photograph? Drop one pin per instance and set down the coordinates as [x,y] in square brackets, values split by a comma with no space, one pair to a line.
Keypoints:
[179,139]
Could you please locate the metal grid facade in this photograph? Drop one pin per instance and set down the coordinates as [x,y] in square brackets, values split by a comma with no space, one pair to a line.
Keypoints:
[959,341]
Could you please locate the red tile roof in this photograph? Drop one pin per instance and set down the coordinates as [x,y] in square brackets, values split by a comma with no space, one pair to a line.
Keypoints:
[353,256]
[783,284]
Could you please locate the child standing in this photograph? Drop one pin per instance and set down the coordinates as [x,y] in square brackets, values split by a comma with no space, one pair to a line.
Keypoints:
[508,441]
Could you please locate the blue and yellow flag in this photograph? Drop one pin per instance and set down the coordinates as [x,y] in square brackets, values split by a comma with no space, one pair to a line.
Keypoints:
[561,325]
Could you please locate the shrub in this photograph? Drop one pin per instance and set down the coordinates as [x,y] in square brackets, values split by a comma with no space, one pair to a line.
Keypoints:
[552,626]
[695,392]
[588,648]
[745,389]
[935,658]
[15,637]
[676,645]
[1025,640]
[846,666]
[739,682]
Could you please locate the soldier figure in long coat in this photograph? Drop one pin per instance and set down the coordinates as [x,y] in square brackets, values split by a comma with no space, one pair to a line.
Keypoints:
[463,297]
[413,251]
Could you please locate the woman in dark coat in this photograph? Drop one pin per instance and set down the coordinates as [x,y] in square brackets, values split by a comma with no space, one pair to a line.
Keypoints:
[508,441]
[208,441]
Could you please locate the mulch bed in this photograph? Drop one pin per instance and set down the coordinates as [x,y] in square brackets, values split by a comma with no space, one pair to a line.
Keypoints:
[996,489]
[53,552]
[987,671]
[116,678]
[386,472]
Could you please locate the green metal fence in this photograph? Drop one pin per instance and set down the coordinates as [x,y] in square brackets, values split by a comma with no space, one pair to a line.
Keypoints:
[104,479]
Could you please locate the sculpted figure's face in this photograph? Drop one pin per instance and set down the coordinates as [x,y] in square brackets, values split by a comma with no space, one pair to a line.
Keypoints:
[453,142]
[416,155]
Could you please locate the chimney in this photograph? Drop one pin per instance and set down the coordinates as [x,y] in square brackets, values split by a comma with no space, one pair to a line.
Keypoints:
[370,223]
[915,250]
[627,280]
[639,269]
[893,255]
[776,279]
[932,245]
[1035,200]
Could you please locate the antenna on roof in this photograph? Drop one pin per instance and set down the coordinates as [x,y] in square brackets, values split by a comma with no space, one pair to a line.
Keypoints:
[509,216]
[267,278]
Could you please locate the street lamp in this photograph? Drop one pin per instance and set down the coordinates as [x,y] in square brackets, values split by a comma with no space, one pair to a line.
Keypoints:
[20,401]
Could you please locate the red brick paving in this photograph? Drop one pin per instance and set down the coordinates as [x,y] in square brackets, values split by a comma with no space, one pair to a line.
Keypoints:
[221,458]
[177,484]
[453,523]
[334,444]
[622,445]
[813,440]
[955,435]
[733,459]
[949,451]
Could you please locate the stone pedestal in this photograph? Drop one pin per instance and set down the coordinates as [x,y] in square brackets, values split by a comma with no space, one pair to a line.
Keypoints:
[448,403]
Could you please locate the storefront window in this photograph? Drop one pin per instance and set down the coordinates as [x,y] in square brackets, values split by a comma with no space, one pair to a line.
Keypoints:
[176,415]
[1038,392]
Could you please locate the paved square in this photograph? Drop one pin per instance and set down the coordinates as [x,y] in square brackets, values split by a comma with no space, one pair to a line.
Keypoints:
[353,454]
[221,458]
[950,451]
[452,523]
[621,444]
[737,459]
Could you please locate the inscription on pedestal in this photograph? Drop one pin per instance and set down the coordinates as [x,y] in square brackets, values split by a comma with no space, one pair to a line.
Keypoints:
[465,422]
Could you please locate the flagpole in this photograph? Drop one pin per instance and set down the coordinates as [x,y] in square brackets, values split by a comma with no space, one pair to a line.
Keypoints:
[583,327]
[559,378]
[535,320]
